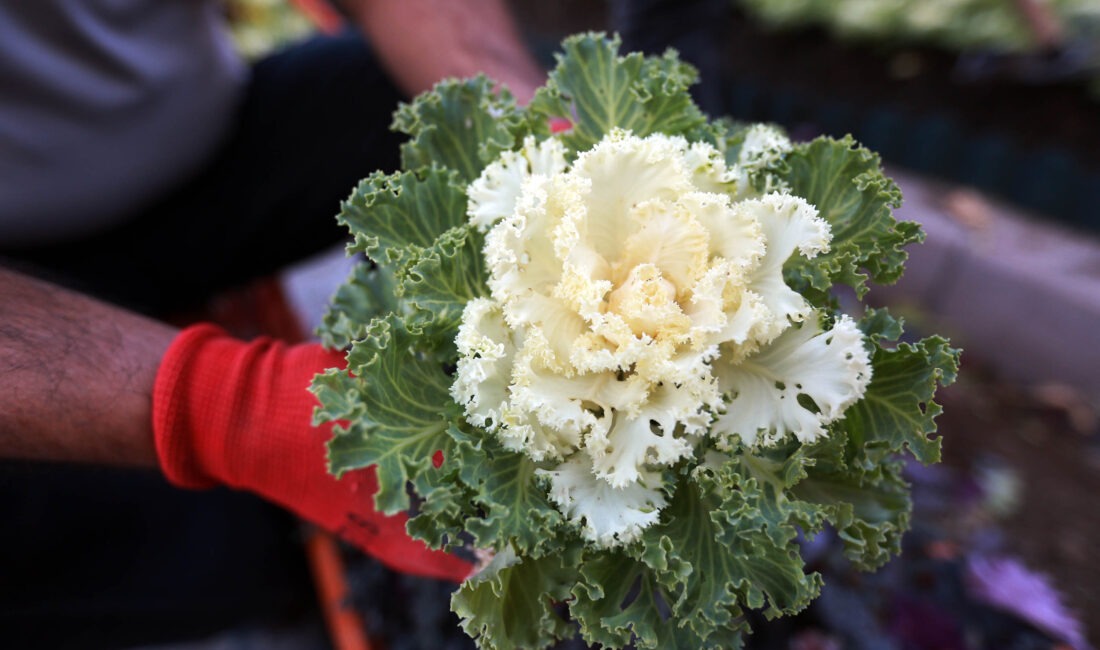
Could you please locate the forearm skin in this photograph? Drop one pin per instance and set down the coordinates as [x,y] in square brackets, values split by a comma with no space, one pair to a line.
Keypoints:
[76,376]
[423,41]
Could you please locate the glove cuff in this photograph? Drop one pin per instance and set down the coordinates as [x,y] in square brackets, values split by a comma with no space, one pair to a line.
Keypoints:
[176,424]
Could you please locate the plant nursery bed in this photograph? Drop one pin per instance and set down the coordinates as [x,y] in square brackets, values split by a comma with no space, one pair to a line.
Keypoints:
[1036,143]
[1045,438]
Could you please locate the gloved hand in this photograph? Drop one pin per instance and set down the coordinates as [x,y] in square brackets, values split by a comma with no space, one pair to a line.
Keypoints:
[226,412]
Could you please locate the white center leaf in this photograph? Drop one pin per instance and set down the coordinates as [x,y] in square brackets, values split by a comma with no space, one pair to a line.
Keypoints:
[831,368]
[607,515]
[625,291]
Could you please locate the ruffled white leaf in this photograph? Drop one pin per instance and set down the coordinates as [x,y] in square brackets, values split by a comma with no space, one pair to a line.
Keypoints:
[575,401]
[519,251]
[671,238]
[493,195]
[749,322]
[789,224]
[624,171]
[647,303]
[708,169]
[583,291]
[608,516]
[649,436]
[555,409]
[484,370]
[546,158]
[522,432]
[550,325]
[734,235]
[831,368]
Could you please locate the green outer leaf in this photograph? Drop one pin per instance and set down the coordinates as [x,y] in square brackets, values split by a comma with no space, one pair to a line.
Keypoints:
[442,510]
[517,510]
[460,125]
[846,184]
[600,90]
[870,511]
[897,412]
[393,215]
[441,279]
[510,605]
[757,502]
[620,601]
[340,397]
[445,502]
[879,325]
[716,571]
[399,406]
[368,293]
[728,137]
[414,225]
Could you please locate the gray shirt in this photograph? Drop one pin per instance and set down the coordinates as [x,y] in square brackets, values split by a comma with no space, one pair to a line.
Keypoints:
[104,105]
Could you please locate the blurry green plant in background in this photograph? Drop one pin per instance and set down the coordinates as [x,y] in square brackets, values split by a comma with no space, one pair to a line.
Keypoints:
[261,27]
[961,25]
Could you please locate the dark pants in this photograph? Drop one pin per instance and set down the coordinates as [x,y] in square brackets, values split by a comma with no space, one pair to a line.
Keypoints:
[91,557]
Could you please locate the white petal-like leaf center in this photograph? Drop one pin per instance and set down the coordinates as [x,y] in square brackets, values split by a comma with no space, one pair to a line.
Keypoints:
[638,304]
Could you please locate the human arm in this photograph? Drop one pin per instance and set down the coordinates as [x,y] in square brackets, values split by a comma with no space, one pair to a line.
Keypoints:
[84,381]
[423,41]
[76,376]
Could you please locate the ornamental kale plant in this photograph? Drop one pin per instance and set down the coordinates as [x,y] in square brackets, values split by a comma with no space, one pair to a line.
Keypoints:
[612,355]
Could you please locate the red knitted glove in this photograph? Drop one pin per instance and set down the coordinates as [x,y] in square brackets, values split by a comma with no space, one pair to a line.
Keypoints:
[239,414]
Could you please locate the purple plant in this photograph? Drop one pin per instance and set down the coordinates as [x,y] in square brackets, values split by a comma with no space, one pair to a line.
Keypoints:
[1006,584]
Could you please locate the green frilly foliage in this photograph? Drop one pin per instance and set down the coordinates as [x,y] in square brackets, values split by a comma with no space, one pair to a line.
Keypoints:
[727,542]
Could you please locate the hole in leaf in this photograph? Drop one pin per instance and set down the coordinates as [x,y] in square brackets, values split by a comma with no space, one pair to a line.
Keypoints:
[622,373]
[632,593]
[593,408]
[663,608]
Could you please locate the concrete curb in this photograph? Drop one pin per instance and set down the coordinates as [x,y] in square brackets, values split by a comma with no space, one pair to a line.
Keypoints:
[1019,294]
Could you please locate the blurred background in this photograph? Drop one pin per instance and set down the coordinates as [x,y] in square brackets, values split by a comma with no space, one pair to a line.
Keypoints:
[987,113]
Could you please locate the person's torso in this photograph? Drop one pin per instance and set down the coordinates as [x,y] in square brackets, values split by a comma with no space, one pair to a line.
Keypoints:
[105,104]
